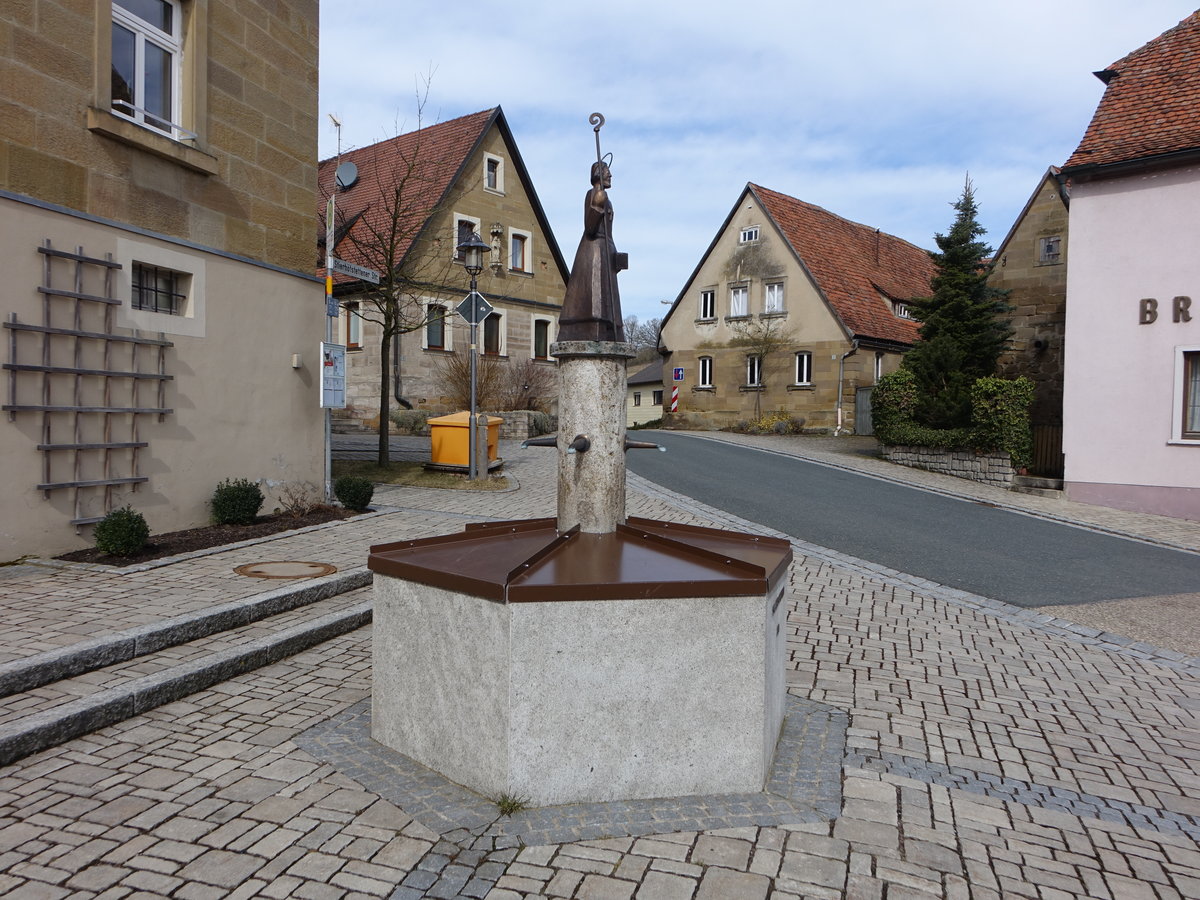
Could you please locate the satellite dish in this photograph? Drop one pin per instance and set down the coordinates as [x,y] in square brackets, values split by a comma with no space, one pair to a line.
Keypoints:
[346,175]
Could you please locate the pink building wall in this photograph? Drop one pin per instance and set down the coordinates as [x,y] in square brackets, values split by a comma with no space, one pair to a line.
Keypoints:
[1131,238]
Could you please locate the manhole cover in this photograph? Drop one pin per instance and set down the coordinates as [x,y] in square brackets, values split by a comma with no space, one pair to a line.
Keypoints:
[286,569]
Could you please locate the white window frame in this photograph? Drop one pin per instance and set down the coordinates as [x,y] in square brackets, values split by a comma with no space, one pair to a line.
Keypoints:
[528,236]
[776,306]
[447,325]
[902,310]
[739,292]
[753,370]
[704,370]
[461,217]
[749,234]
[502,337]
[803,367]
[1181,394]
[549,320]
[708,304]
[878,365]
[656,397]
[499,161]
[172,44]
[637,398]
[190,321]
[352,325]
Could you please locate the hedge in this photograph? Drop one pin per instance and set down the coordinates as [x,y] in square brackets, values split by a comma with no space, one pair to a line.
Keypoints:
[999,417]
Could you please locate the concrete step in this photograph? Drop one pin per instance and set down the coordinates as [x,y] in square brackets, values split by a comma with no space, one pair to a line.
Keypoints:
[97,695]
[1041,487]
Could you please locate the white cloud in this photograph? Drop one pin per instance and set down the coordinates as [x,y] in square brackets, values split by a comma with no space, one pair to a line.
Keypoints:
[875,110]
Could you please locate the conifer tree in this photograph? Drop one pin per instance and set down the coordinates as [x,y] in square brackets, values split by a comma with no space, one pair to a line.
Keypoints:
[962,331]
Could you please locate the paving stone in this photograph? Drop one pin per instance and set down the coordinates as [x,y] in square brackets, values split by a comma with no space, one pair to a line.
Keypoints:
[718,884]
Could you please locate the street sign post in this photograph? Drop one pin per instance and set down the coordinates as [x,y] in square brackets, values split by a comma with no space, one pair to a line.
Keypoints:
[362,273]
[677,373]
[474,309]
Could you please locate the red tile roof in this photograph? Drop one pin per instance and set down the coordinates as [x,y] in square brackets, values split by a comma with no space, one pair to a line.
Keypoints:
[852,265]
[1151,106]
[424,163]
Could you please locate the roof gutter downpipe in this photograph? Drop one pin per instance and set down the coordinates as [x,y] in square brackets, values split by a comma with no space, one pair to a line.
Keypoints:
[841,378]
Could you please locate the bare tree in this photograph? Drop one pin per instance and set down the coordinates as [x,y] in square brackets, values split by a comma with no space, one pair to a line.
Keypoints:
[393,236]
[761,338]
[643,335]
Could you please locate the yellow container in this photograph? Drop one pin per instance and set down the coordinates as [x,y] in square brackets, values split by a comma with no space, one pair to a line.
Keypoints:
[450,437]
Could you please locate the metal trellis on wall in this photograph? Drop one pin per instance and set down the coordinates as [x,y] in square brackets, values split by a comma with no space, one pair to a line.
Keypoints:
[90,438]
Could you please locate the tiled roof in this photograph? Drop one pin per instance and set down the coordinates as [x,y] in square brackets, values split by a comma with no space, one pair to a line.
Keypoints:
[651,374]
[1152,103]
[853,264]
[426,162]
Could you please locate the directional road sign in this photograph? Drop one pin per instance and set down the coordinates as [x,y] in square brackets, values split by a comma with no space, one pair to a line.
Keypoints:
[475,308]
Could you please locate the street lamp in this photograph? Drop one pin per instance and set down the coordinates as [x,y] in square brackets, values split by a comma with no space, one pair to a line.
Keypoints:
[471,250]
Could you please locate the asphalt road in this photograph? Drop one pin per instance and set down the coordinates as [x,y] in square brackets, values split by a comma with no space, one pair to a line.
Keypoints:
[964,544]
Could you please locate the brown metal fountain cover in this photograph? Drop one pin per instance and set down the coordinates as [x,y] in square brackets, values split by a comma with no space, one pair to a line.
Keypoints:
[529,561]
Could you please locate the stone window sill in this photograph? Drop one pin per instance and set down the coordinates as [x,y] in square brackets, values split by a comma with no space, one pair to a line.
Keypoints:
[751,388]
[706,388]
[801,387]
[745,318]
[101,121]
[774,314]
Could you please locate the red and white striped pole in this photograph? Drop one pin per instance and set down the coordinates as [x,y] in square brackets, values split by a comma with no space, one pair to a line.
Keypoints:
[675,399]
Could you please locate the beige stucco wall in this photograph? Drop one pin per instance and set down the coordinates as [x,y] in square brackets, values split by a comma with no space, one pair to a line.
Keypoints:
[521,298]
[808,324]
[239,408]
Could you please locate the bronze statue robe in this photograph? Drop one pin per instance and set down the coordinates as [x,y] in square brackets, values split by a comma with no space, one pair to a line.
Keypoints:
[592,306]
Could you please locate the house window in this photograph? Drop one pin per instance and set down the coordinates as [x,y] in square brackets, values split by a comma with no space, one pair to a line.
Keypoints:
[518,257]
[748,235]
[803,367]
[708,304]
[493,174]
[353,327]
[1050,250]
[902,310]
[1190,424]
[754,371]
[435,327]
[464,227]
[637,398]
[658,395]
[493,335]
[159,290]
[541,338]
[706,372]
[737,301]
[147,61]
[773,302]
[878,366]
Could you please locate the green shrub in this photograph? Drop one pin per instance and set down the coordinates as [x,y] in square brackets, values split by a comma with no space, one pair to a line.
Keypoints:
[411,421]
[236,501]
[540,423]
[354,492]
[123,532]
[1000,417]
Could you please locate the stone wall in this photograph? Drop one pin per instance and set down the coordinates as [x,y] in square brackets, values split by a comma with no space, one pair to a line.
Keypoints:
[988,468]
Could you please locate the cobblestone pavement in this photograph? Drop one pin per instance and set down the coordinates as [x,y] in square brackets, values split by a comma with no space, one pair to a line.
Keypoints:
[983,752]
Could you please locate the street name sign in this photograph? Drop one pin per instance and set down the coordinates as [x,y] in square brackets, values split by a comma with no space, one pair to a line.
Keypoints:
[362,273]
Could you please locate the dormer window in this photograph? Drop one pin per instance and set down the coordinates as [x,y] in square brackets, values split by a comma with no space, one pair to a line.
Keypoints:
[902,310]
[748,235]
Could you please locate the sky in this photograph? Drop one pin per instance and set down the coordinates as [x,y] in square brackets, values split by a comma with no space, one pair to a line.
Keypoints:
[875,110]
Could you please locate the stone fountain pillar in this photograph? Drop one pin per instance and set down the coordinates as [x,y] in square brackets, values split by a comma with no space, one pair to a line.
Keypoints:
[591,402]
